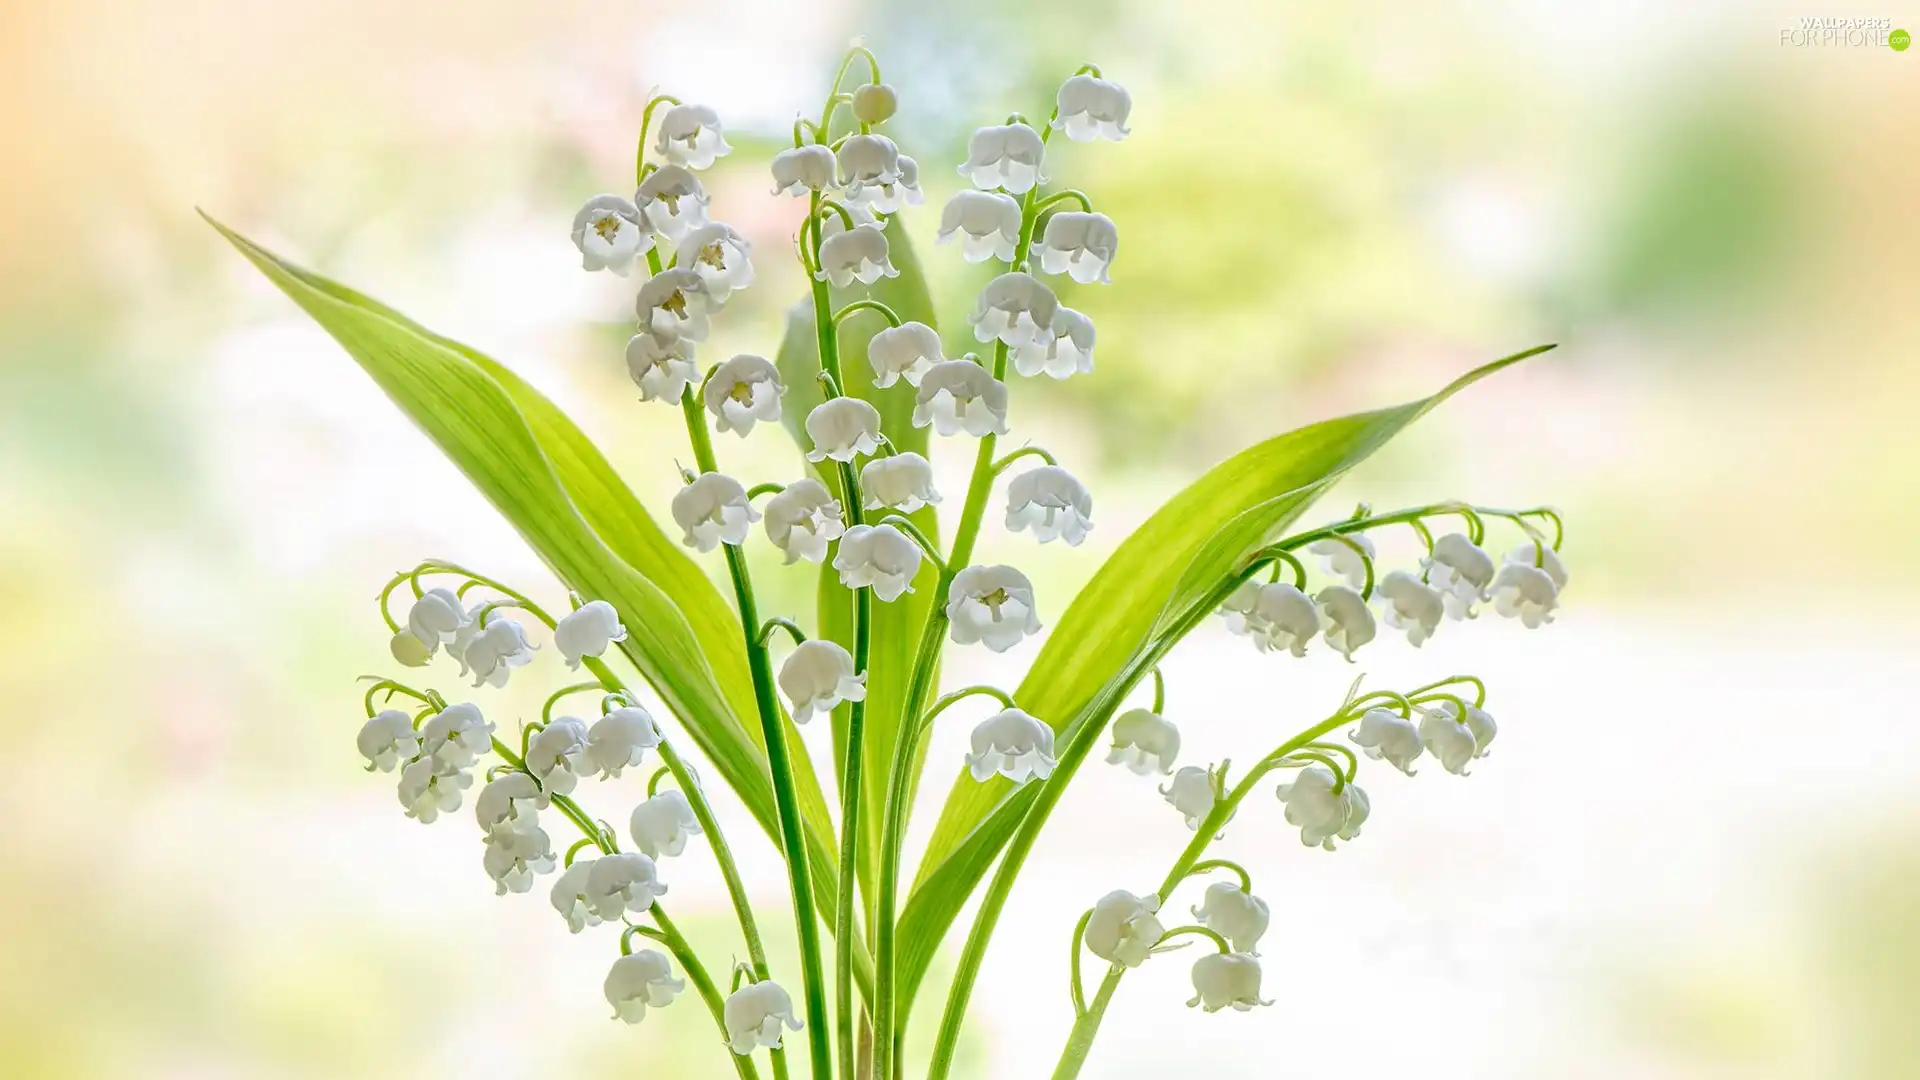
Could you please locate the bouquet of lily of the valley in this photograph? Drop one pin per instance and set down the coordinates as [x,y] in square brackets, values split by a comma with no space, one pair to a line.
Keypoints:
[865,383]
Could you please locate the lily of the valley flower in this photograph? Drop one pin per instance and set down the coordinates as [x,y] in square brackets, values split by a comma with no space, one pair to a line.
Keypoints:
[1411,604]
[875,103]
[672,201]
[640,981]
[1123,928]
[1461,572]
[843,428]
[1080,245]
[1089,107]
[608,232]
[587,632]
[803,169]
[1479,723]
[868,161]
[436,618]
[661,825]
[902,482]
[1277,616]
[1013,744]
[1144,741]
[1234,914]
[1192,792]
[1064,351]
[515,857]
[1449,740]
[619,740]
[1525,592]
[1387,736]
[987,222]
[1341,559]
[991,605]
[1015,308]
[1005,156]
[743,391]
[511,802]
[1547,559]
[817,676]
[907,351]
[1051,503]
[892,198]
[1320,812]
[721,256]
[713,510]
[387,740]
[661,365]
[675,304]
[429,789]
[802,518]
[569,896]
[690,136]
[880,556]
[1349,624]
[456,735]
[756,1014]
[1221,980]
[556,755]
[495,651]
[960,395]
[856,254]
[623,882]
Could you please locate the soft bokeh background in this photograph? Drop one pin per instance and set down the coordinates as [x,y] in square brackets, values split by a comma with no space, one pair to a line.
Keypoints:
[1693,854]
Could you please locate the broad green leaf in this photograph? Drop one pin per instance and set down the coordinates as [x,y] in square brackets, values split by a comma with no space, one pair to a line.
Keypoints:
[558,491]
[1193,541]
[896,626]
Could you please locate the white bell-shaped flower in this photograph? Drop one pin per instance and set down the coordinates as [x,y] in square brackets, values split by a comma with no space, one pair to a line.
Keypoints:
[661,825]
[429,789]
[1016,308]
[713,510]
[987,222]
[623,882]
[1005,156]
[907,351]
[608,232]
[1192,792]
[993,606]
[569,896]
[1123,928]
[387,740]
[588,631]
[880,556]
[856,254]
[817,676]
[690,135]
[1349,624]
[1051,503]
[1410,604]
[494,651]
[1144,741]
[1064,351]
[868,161]
[1448,740]
[1479,724]
[802,170]
[1080,245]
[620,740]
[1277,616]
[674,304]
[640,981]
[721,256]
[902,482]
[894,197]
[1221,980]
[672,201]
[743,391]
[1387,736]
[1542,556]
[556,755]
[1461,572]
[1013,744]
[1320,812]
[1234,914]
[515,857]
[1525,592]
[802,518]
[436,618]
[661,366]
[512,801]
[456,735]
[843,428]
[960,395]
[1089,107]
[1340,559]
[756,1015]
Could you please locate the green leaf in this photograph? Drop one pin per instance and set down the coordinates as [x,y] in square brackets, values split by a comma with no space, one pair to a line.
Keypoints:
[896,625]
[1189,544]
[559,492]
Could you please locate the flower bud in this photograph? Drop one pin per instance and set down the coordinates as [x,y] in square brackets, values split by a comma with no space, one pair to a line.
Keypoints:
[875,103]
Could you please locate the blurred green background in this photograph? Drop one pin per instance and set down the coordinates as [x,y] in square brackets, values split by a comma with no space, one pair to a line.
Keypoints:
[1692,856]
